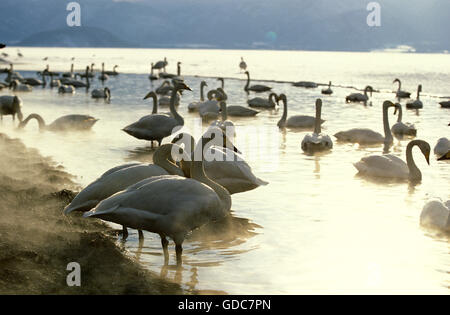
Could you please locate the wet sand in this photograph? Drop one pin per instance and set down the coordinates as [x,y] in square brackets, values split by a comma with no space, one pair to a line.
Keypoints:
[37,241]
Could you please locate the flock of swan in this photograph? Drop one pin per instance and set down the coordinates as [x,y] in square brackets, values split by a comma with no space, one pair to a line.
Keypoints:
[172,196]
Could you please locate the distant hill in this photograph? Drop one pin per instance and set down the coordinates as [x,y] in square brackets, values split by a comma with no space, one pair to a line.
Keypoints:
[268,24]
[74,37]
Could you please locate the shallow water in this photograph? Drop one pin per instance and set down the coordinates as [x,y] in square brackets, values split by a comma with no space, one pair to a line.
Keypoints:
[317,227]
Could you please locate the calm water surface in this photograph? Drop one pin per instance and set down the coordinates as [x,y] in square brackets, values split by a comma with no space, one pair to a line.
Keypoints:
[317,227]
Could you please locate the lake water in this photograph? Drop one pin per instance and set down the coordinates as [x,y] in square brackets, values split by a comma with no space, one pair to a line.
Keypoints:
[317,227]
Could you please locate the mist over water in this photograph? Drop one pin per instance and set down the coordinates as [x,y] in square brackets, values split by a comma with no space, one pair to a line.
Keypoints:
[317,227]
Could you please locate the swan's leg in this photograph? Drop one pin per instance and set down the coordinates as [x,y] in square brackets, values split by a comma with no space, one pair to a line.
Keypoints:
[164,244]
[179,252]
[124,232]
[141,235]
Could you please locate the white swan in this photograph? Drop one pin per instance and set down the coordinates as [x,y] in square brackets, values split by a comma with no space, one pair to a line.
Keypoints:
[367,136]
[11,105]
[226,125]
[296,121]
[243,64]
[68,74]
[224,165]
[64,123]
[158,126]
[317,141]
[390,166]
[417,103]
[327,91]
[401,129]
[305,84]
[209,110]
[99,93]
[400,93]
[65,88]
[77,83]
[442,147]
[168,205]
[260,102]
[151,76]
[15,85]
[194,105]
[113,72]
[358,97]
[222,82]
[103,76]
[255,88]
[436,214]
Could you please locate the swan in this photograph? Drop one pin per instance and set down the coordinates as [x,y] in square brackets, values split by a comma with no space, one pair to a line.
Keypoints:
[442,147]
[164,75]
[65,88]
[113,72]
[417,104]
[358,97]
[222,82]
[297,121]
[209,110]
[194,105]
[158,126]
[305,84]
[243,64]
[103,76]
[401,129]
[64,123]
[161,65]
[400,93]
[260,102]
[367,136]
[69,74]
[240,111]
[390,166]
[77,83]
[102,93]
[15,85]
[436,214]
[34,81]
[445,104]
[327,91]
[11,105]
[255,88]
[169,205]
[317,141]
[224,164]
[151,76]
[89,73]
[226,125]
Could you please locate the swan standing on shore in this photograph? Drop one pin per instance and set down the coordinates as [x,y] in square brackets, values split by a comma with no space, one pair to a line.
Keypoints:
[255,88]
[161,65]
[366,136]
[120,178]
[11,105]
[158,126]
[390,166]
[400,93]
[64,123]
[296,121]
[317,141]
[242,65]
[358,97]
[102,93]
[436,215]
[171,206]
[260,102]
[400,129]
[417,103]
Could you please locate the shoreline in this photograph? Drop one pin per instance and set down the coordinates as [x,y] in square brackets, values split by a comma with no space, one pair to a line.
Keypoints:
[37,241]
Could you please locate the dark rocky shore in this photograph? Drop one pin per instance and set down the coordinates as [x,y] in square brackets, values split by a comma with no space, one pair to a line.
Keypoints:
[37,241]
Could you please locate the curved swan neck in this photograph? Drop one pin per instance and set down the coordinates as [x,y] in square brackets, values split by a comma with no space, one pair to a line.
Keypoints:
[419,89]
[317,126]
[173,111]
[161,158]
[414,172]
[272,95]
[202,92]
[387,131]
[39,119]
[248,80]
[282,121]
[198,173]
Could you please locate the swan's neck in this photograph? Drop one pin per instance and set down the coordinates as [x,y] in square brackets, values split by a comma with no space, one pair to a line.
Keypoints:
[387,131]
[161,158]
[400,114]
[39,119]
[317,126]
[418,92]
[87,79]
[71,69]
[223,107]
[282,121]
[202,95]
[399,85]
[198,173]
[155,104]
[178,70]
[173,111]
[248,82]
[414,172]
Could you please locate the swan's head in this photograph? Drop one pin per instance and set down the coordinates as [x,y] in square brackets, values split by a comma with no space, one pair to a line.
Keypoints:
[425,148]
[387,104]
[180,85]
[398,107]
[150,94]
[396,80]
[282,97]
[369,89]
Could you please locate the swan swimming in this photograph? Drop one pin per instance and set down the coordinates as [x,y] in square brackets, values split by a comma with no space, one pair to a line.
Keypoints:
[417,103]
[260,102]
[194,105]
[255,88]
[390,166]
[358,97]
[169,205]
[296,121]
[317,141]
[99,93]
[400,129]
[436,214]
[64,123]
[400,93]
[327,91]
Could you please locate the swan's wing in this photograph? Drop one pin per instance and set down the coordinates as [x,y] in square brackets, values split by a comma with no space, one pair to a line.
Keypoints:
[111,183]
[211,106]
[167,204]
[236,110]
[301,121]
[357,135]
[383,166]
[152,126]
[436,214]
